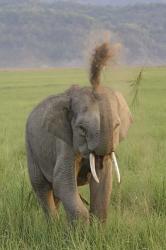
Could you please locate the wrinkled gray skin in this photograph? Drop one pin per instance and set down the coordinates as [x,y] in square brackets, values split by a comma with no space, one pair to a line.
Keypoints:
[61,132]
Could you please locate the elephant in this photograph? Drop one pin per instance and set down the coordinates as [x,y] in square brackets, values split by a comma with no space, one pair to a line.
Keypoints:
[70,141]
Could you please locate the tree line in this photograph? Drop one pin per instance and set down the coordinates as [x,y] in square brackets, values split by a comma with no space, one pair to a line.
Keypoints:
[54,34]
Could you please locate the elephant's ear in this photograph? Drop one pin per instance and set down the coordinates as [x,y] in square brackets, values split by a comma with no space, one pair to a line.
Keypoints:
[56,117]
[124,115]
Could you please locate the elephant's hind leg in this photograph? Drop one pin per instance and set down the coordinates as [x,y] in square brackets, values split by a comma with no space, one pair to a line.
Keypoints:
[43,190]
[53,203]
[45,197]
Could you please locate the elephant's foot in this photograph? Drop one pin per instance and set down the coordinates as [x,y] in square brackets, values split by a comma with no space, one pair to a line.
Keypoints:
[74,206]
[77,211]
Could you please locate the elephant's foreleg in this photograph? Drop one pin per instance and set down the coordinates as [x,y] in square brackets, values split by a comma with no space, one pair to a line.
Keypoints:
[74,207]
[70,198]
[65,187]
[100,192]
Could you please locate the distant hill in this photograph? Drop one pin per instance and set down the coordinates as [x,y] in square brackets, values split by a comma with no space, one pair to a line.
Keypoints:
[108,2]
[42,34]
[91,2]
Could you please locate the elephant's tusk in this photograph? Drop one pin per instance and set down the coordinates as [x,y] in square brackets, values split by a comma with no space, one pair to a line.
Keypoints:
[92,167]
[116,166]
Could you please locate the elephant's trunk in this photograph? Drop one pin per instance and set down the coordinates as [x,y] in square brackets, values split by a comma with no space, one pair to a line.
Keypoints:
[105,145]
[100,193]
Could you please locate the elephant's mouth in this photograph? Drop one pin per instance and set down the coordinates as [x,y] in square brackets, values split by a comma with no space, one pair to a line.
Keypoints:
[98,162]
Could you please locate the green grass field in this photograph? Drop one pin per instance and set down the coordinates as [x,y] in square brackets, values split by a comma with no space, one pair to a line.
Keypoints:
[137,214]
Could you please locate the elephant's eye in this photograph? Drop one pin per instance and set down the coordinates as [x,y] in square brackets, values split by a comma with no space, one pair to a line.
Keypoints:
[82,131]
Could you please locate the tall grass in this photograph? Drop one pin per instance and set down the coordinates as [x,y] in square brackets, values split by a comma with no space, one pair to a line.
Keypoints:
[137,213]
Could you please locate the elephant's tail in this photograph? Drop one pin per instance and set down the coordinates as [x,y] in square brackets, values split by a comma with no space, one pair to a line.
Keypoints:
[101,56]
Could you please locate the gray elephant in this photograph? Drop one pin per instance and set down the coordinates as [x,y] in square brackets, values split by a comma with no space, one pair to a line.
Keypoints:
[64,131]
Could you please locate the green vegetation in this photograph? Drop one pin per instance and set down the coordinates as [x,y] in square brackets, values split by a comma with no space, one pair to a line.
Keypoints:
[137,216]
[41,34]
